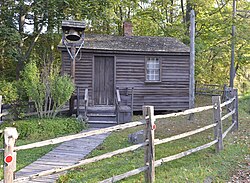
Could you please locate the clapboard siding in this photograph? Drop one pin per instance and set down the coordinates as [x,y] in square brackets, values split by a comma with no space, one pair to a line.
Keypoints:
[83,72]
[172,93]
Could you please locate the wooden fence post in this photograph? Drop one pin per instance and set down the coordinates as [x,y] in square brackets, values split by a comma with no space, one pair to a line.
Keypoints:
[149,152]
[217,119]
[10,136]
[145,113]
[192,64]
[235,106]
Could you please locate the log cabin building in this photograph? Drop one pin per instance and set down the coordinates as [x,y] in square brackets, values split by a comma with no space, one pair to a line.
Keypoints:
[117,75]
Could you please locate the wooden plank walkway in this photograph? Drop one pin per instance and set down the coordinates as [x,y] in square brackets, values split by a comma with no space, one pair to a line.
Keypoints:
[67,153]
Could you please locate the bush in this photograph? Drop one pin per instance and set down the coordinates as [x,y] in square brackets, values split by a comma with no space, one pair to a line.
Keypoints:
[61,90]
[41,129]
[9,92]
[47,88]
[34,88]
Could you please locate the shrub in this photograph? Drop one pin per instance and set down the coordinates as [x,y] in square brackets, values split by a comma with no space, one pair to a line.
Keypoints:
[41,129]
[47,88]
[8,91]
[34,88]
[61,91]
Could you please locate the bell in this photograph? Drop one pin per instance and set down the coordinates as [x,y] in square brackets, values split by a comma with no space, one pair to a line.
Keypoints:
[73,35]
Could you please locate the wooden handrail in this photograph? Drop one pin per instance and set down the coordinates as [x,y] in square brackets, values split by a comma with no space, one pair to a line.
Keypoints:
[86,93]
[117,105]
[78,101]
[86,102]
[132,100]
[118,96]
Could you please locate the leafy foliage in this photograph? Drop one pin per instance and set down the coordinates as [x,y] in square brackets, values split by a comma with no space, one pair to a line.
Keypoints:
[8,91]
[9,39]
[34,87]
[48,90]
[41,129]
[20,45]
[61,90]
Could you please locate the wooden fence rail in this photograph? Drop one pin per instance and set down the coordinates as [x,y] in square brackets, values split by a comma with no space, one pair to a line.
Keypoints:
[209,89]
[79,135]
[149,143]
[186,112]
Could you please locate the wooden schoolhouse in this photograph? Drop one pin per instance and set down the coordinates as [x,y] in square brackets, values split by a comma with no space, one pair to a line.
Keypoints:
[117,75]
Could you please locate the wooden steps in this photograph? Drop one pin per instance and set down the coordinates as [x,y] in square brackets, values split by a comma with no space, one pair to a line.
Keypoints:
[101,116]
[105,116]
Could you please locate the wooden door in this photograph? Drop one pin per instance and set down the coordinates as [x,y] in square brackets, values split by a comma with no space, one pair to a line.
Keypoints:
[103,80]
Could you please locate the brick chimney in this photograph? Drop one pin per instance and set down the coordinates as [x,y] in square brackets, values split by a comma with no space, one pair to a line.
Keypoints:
[127,29]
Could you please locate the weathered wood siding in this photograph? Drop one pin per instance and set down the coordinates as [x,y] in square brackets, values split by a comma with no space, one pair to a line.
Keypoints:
[83,74]
[172,93]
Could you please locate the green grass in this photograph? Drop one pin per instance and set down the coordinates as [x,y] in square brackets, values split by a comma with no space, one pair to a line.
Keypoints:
[34,130]
[198,167]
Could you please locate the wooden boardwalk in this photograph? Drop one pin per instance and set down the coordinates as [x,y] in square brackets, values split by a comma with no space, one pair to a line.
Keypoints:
[68,153]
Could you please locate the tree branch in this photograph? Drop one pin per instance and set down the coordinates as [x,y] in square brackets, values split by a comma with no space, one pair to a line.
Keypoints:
[27,54]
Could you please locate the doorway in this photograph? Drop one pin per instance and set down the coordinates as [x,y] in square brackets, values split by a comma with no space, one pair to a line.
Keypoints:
[103,80]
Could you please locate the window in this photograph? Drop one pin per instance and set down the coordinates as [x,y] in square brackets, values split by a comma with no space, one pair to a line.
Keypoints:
[153,69]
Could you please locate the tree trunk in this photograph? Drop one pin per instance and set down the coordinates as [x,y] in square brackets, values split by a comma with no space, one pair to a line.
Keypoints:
[21,21]
[183,12]
[188,10]
[171,12]
[121,21]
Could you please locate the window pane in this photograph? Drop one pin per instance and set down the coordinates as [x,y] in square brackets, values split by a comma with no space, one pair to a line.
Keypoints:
[152,69]
[157,78]
[157,64]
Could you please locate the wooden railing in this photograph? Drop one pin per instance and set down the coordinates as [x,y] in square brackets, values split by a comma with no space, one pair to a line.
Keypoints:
[149,143]
[86,103]
[117,105]
[120,101]
[77,101]
[209,89]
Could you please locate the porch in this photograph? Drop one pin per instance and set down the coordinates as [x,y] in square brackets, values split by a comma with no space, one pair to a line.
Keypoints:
[99,116]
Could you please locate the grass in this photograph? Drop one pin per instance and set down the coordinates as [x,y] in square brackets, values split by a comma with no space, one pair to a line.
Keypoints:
[202,166]
[34,130]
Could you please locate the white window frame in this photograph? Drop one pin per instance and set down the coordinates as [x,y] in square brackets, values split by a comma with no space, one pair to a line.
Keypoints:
[152,69]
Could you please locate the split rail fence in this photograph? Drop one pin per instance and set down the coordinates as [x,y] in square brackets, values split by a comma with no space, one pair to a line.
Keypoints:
[149,144]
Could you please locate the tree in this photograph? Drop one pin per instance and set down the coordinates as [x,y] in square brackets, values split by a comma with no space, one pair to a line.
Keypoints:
[149,17]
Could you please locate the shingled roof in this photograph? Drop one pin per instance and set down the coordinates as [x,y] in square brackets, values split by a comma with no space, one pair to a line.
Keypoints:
[134,43]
